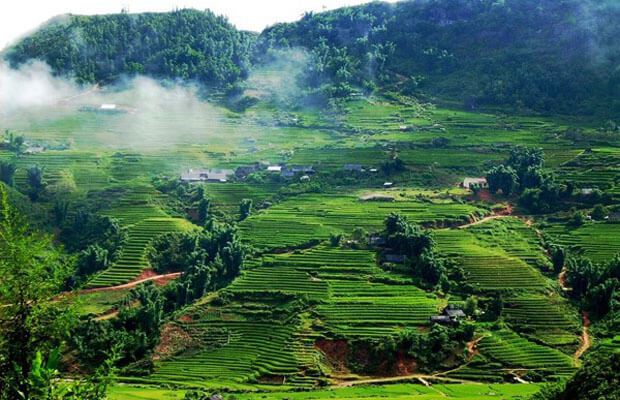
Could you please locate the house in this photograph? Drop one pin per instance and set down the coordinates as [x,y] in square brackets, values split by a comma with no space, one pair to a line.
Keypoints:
[451,315]
[395,258]
[34,149]
[107,107]
[373,170]
[245,170]
[206,175]
[304,178]
[274,169]
[614,216]
[287,173]
[218,175]
[299,169]
[194,175]
[587,191]
[353,167]
[388,185]
[470,183]
[376,240]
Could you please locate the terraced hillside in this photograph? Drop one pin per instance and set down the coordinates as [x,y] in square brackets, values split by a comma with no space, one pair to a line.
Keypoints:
[310,217]
[144,221]
[496,255]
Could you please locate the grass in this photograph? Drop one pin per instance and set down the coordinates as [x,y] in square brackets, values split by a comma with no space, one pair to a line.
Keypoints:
[396,391]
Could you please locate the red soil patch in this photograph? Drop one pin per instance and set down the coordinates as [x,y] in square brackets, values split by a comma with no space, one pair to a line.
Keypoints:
[336,352]
[172,341]
[405,365]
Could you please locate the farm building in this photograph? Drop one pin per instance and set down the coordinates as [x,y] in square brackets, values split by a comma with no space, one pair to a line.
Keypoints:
[206,175]
[388,185]
[353,167]
[107,107]
[34,149]
[245,170]
[470,183]
[451,315]
[377,240]
[394,258]
[305,169]
[587,191]
[274,168]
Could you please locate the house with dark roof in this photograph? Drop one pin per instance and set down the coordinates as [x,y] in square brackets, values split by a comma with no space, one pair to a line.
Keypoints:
[353,167]
[451,315]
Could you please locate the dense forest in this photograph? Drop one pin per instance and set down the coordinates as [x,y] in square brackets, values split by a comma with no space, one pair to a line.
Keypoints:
[534,54]
[553,56]
[185,44]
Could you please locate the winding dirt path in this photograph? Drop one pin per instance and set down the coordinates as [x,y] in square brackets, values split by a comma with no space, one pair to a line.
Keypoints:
[157,278]
[586,341]
[483,220]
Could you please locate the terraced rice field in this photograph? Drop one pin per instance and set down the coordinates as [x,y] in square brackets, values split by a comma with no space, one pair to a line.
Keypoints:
[595,240]
[512,350]
[144,221]
[297,221]
[554,322]
[495,255]
[350,304]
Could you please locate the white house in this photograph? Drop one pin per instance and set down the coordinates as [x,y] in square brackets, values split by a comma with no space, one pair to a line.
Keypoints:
[469,183]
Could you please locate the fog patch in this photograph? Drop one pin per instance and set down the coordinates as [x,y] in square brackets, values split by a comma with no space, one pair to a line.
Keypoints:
[277,79]
[31,86]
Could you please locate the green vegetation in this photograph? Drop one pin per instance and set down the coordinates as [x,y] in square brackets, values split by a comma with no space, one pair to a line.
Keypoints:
[166,45]
[362,257]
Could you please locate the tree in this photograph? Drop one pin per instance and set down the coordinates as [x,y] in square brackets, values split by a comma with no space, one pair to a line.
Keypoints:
[31,324]
[203,210]
[245,208]
[35,181]
[502,178]
[596,379]
[599,212]
[335,239]
[471,306]
[577,219]
[558,257]
[7,172]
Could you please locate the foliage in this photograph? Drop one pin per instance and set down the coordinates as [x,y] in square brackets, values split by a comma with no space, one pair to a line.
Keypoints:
[31,324]
[36,182]
[245,208]
[183,44]
[464,49]
[596,379]
[7,172]
[597,286]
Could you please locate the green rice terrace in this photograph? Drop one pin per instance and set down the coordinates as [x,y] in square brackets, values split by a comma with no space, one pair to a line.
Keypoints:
[303,309]
[369,248]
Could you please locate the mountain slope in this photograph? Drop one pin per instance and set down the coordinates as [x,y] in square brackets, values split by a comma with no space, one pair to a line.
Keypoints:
[185,44]
[537,54]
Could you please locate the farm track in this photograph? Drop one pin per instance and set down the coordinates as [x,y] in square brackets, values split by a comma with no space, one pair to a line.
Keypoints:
[157,278]
[586,341]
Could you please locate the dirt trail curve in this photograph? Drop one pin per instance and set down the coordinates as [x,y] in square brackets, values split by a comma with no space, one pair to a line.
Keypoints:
[157,278]
[586,341]
[483,220]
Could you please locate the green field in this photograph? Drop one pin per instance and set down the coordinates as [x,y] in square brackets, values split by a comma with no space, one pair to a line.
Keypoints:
[396,391]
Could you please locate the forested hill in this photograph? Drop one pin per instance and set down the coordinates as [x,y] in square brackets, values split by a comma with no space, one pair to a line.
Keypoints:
[544,55]
[185,44]
[547,55]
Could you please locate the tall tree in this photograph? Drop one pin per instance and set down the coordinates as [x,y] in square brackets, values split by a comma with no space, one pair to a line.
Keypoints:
[31,323]
[7,172]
